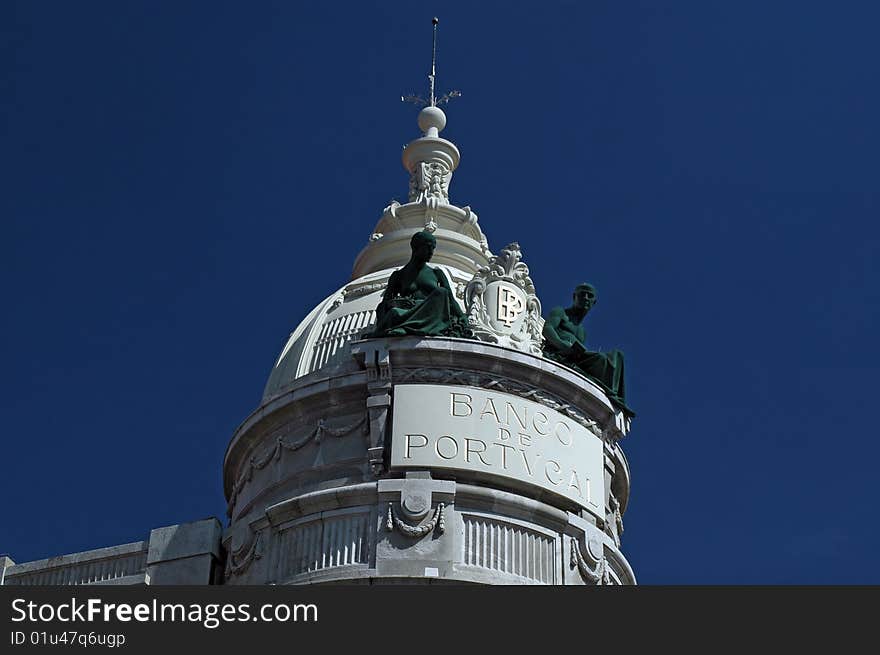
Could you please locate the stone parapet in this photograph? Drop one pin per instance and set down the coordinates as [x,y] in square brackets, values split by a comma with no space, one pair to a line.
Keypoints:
[189,553]
[126,563]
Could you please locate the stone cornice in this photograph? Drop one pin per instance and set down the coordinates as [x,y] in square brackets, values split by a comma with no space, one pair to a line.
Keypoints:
[503,363]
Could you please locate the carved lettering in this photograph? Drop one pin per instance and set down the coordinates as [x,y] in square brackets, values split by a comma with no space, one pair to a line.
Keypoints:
[510,305]
[575,483]
[457,400]
[544,422]
[410,445]
[492,411]
[454,447]
[590,495]
[557,470]
[504,448]
[522,421]
[553,453]
[563,424]
[468,450]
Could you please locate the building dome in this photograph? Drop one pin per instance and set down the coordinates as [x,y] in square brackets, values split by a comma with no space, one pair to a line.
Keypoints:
[321,341]
[321,338]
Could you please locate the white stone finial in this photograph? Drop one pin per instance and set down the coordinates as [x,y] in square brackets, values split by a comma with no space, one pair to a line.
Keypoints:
[432,120]
[431,159]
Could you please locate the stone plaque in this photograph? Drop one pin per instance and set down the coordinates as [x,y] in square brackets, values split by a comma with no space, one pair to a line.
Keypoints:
[499,434]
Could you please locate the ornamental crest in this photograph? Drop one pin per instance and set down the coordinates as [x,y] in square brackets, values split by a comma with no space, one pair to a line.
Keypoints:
[501,303]
[430,180]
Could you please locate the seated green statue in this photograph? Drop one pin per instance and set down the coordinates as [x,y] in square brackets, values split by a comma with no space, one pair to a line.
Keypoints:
[564,338]
[418,299]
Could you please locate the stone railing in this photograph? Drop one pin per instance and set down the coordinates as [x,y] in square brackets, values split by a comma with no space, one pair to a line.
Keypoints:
[189,553]
[123,564]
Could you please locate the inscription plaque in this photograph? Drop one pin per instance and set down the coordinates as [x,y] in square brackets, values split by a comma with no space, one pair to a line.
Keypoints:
[473,429]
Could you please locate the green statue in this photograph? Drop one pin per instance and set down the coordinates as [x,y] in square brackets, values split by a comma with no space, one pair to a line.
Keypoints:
[564,338]
[419,299]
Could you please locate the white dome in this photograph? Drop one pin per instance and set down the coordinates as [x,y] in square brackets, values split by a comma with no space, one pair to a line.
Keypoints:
[323,338]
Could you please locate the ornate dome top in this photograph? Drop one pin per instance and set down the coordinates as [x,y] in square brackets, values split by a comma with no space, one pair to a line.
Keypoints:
[322,338]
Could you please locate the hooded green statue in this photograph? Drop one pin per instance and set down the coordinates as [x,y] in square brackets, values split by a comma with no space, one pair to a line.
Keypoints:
[419,299]
[564,338]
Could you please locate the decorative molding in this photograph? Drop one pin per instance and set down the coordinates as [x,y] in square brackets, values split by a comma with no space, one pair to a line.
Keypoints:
[501,303]
[91,567]
[470,219]
[430,180]
[509,547]
[240,559]
[437,521]
[352,292]
[499,383]
[617,517]
[378,368]
[600,574]
[257,463]
[324,542]
[331,344]
[391,209]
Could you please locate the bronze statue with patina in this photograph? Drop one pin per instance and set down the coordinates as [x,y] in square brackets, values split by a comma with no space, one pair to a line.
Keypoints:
[564,338]
[419,299]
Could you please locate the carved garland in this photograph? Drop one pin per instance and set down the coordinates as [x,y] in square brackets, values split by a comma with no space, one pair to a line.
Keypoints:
[418,531]
[350,293]
[241,558]
[618,519]
[506,385]
[600,575]
[281,445]
[363,290]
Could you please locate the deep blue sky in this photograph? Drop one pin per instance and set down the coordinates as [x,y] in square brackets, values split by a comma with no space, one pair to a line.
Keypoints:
[182,182]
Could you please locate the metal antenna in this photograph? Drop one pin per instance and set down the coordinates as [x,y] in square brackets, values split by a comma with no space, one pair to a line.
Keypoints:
[432,100]
[434,22]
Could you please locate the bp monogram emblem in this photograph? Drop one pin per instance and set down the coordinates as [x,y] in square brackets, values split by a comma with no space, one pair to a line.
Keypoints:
[506,305]
[501,303]
[510,305]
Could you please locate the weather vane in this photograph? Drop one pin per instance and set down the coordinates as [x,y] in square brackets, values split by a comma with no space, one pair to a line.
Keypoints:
[433,101]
